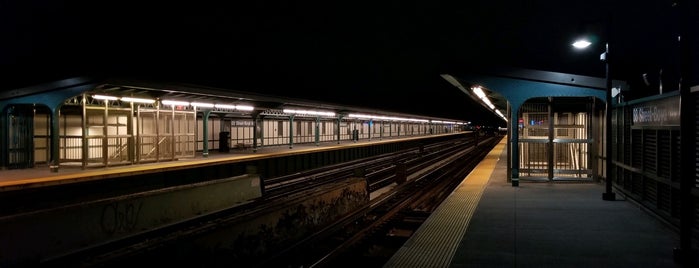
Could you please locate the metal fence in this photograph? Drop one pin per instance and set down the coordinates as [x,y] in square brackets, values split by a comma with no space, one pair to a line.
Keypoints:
[555,143]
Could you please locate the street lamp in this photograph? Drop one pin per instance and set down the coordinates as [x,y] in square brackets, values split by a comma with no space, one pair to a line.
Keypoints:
[608,194]
[582,43]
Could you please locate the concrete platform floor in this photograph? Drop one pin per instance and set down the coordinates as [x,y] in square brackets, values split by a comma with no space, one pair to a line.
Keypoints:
[561,225]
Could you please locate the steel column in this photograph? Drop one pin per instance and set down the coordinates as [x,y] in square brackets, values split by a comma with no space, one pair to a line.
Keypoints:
[371,124]
[205,132]
[85,134]
[255,118]
[105,133]
[291,131]
[339,120]
[608,194]
[317,130]
[55,139]
[550,142]
[509,145]
[686,253]
[130,131]
[514,140]
[4,136]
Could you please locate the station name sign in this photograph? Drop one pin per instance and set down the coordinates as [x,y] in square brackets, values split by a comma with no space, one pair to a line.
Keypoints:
[247,123]
[663,112]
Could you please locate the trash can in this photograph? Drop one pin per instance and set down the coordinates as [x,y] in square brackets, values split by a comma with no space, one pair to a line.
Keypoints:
[223,139]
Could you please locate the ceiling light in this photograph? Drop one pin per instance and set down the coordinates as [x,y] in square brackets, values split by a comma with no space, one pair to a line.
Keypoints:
[307,112]
[203,104]
[175,103]
[225,106]
[137,100]
[104,97]
[244,107]
[479,92]
[580,44]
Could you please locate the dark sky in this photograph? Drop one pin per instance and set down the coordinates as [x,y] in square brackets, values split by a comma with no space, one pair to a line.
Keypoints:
[379,54]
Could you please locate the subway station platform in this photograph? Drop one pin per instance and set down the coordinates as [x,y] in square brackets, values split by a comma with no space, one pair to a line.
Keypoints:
[486,222]
[41,175]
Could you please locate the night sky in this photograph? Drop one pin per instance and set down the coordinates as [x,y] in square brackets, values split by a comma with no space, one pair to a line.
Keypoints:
[380,54]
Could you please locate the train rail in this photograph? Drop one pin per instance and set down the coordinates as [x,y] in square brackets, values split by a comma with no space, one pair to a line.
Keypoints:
[369,236]
[420,167]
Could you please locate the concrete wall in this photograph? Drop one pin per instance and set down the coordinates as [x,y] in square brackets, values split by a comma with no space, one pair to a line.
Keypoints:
[36,236]
[256,236]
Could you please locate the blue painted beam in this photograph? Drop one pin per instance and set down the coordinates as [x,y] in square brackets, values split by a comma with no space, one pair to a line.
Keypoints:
[518,86]
[51,95]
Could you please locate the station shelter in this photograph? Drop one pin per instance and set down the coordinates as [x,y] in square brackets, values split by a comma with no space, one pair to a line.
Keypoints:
[558,130]
[86,122]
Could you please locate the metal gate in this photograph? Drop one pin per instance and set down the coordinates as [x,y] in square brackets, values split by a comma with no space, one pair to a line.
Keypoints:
[554,141]
[20,134]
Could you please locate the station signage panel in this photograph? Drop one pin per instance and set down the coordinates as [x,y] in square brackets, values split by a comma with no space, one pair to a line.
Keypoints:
[661,112]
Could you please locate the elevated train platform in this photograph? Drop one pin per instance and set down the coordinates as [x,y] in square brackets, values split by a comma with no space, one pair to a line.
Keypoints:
[41,176]
[486,222]
[603,182]
[50,216]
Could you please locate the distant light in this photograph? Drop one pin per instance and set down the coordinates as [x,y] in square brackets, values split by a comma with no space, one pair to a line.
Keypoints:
[225,106]
[487,102]
[244,107]
[137,100]
[479,92]
[499,113]
[175,103]
[234,107]
[307,112]
[203,104]
[104,97]
[580,44]
[481,95]
[391,118]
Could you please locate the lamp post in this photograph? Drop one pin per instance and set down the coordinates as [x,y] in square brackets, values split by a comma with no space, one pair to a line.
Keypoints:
[608,194]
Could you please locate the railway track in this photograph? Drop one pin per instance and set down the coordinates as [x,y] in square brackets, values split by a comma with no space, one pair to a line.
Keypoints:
[424,171]
[370,236]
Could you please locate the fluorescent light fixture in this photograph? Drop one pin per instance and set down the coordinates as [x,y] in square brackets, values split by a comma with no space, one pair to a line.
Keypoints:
[175,103]
[234,107]
[479,92]
[225,106]
[386,118]
[487,102]
[500,114]
[307,112]
[361,116]
[137,100]
[481,95]
[202,104]
[244,107]
[580,44]
[104,97]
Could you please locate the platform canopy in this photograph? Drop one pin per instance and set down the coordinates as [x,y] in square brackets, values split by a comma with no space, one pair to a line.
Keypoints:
[502,85]
[56,93]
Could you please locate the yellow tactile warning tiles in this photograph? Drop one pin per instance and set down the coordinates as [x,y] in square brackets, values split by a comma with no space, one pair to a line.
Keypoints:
[434,243]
